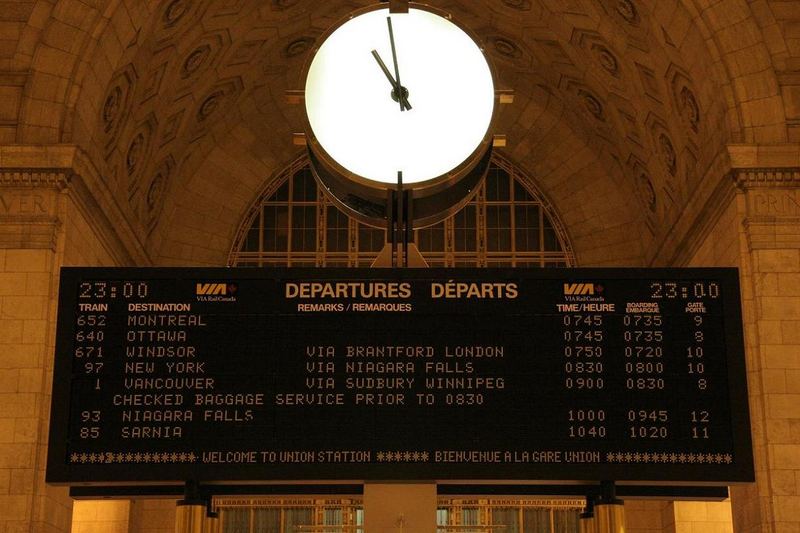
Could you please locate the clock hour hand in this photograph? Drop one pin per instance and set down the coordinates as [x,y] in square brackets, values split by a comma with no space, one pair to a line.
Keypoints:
[399,93]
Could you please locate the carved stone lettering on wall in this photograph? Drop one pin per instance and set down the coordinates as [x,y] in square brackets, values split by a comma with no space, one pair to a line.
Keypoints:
[23,203]
[775,203]
[29,208]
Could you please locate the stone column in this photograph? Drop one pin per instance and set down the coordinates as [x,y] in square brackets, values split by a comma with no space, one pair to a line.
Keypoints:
[708,517]
[770,202]
[746,213]
[52,213]
[109,516]
[400,507]
[30,234]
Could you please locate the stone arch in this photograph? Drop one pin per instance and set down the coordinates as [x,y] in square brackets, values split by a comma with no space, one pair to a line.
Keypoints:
[70,42]
[735,38]
[75,75]
[75,37]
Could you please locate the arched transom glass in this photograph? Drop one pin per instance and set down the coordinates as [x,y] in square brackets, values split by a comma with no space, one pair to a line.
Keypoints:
[507,223]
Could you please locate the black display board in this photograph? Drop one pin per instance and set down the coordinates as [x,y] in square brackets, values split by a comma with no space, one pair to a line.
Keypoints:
[300,374]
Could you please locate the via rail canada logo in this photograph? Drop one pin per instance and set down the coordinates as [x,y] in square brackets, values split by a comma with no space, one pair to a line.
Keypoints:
[216,292]
[584,292]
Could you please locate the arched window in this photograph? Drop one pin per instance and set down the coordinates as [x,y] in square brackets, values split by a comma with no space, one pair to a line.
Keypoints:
[507,223]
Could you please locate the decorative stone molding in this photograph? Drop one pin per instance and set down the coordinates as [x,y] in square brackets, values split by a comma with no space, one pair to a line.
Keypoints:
[770,192]
[90,192]
[704,207]
[56,178]
[772,200]
[758,157]
[768,234]
[767,177]
[26,201]
[667,152]
[174,12]
[28,207]
[519,5]
[298,46]
[32,178]
[627,10]
[20,232]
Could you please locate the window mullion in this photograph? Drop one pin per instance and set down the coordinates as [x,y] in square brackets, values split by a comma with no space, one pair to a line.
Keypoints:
[541,236]
[471,225]
[289,221]
[480,225]
[322,225]
[512,217]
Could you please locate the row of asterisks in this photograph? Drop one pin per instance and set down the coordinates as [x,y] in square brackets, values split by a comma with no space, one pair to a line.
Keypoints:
[709,458]
[129,457]
[408,457]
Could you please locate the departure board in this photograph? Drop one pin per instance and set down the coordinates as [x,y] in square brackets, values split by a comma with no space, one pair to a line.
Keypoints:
[258,375]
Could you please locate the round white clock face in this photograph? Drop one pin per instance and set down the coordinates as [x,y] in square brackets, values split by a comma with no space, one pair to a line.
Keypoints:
[354,118]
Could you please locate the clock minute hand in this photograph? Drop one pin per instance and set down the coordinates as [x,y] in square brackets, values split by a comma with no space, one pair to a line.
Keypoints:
[403,102]
[398,92]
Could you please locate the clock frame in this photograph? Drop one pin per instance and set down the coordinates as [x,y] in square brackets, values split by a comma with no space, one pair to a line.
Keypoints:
[368,200]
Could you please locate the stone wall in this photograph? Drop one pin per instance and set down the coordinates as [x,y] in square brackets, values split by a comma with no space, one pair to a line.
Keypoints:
[643,516]
[26,307]
[699,517]
[152,516]
[101,516]
[46,221]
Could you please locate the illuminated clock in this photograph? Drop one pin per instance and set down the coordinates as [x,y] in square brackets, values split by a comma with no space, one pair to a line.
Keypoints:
[388,92]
